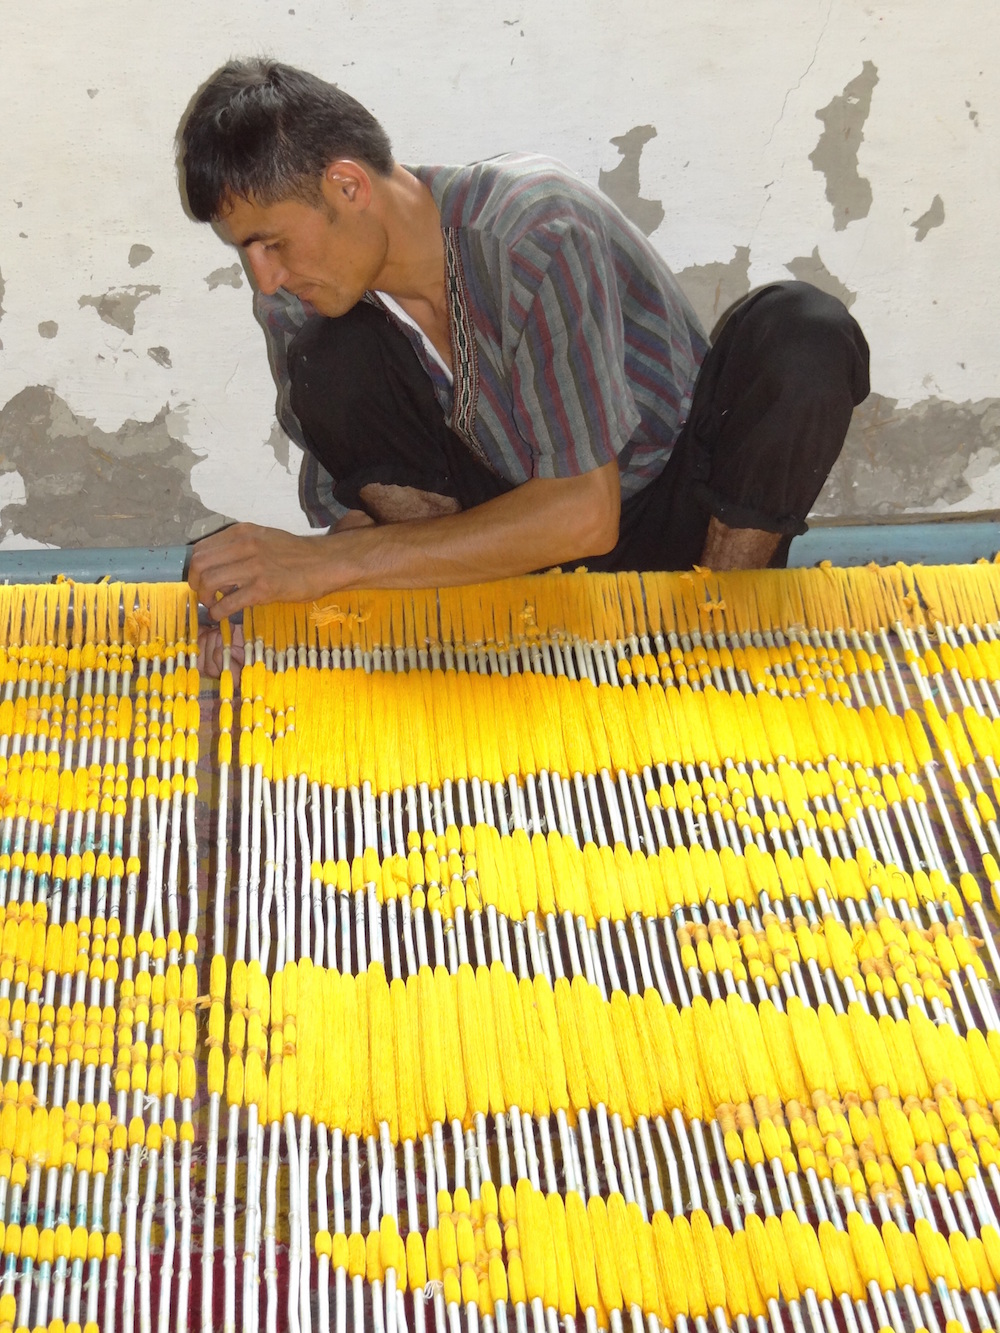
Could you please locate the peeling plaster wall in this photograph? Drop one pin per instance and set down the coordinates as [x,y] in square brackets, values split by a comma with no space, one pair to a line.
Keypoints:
[851,144]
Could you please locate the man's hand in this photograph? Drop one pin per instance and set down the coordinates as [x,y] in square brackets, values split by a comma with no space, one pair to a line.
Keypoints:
[250,565]
[536,525]
[210,650]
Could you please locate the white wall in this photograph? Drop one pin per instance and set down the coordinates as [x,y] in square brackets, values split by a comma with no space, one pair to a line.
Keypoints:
[91,95]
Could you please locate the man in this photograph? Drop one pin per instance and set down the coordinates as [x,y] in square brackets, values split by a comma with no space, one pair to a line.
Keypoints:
[491,370]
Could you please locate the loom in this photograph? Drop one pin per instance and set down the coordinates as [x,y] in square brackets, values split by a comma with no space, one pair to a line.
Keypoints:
[579,952]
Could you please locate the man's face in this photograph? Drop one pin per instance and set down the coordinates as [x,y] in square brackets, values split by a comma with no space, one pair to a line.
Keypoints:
[329,254]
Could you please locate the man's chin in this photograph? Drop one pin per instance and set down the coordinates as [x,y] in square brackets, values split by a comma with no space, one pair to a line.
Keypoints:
[319,303]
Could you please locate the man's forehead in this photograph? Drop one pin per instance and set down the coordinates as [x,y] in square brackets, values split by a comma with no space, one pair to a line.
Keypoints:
[245,220]
[240,217]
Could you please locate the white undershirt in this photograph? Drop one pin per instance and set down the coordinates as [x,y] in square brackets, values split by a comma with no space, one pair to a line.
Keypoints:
[401,314]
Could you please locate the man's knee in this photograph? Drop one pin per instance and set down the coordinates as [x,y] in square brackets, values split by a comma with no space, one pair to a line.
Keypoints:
[807,311]
[335,356]
[807,336]
[338,376]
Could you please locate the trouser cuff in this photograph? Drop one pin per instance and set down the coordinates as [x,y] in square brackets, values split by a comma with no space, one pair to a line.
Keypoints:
[742,516]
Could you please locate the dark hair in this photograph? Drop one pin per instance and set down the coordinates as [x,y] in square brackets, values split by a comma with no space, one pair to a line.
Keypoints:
[262,130]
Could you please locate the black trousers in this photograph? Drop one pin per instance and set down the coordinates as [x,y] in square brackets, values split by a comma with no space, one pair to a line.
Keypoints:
[771,407]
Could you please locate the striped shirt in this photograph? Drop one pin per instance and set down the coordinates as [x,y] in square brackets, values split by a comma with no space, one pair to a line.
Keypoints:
[572,344]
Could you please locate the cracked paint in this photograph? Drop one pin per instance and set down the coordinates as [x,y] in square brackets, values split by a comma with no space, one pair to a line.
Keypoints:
[118,307]
[934,217]
[836,153]
[139,254]
[900,461]
[621,183]
[225,277]
[810,268]
[278,442]
[713,289]
[84,486]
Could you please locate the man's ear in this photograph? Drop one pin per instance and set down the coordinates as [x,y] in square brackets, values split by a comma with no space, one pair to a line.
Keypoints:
[346,181]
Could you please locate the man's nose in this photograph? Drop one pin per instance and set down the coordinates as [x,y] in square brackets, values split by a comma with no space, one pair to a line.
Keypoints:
[268,271]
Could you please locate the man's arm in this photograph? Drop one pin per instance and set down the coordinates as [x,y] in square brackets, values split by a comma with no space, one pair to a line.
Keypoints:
[542,523]
[354,518]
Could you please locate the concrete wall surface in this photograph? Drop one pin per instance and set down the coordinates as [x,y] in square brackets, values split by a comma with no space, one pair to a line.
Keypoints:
[854,144]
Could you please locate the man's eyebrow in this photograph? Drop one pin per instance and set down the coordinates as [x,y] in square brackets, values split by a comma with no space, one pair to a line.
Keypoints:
[254,236]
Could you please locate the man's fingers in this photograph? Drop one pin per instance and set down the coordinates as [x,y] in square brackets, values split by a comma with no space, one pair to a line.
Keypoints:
[210,650]
[214,563]
[219,563]
[217,594]
[231,584]
[237,599]
[247,565]
[237,649]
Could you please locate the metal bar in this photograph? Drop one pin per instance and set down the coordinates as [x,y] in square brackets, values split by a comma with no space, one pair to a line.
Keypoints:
[124,564]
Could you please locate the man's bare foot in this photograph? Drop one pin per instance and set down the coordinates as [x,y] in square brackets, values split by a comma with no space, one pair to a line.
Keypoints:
[737,548]
[210,650]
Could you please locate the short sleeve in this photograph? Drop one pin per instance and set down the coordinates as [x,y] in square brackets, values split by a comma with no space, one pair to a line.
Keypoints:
[572,402]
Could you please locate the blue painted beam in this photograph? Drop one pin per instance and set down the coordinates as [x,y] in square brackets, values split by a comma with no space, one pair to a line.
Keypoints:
[940,543]
[123,564]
